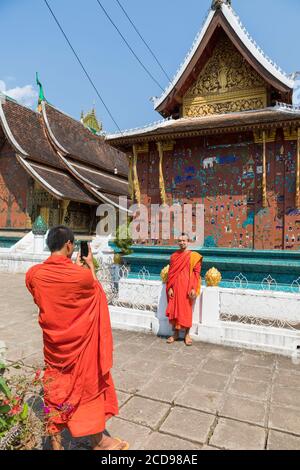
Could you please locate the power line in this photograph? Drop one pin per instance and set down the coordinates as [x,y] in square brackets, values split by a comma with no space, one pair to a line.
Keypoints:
[128,45]
[82,66]
[144,41]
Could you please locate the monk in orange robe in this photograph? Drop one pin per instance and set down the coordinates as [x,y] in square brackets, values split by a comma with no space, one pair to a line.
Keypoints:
[79,393]
[183,287]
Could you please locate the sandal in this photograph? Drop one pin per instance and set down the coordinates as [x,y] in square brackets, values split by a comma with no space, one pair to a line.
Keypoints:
[188,341]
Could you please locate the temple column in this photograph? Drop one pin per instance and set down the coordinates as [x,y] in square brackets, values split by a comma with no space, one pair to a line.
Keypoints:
[64,205]
[290,135]
[163,147]
[130,177]
[263,137]
[137,149]
[297,203]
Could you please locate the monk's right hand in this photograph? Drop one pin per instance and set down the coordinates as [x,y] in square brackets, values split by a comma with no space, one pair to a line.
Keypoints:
[89,259]
[78,260]
[171,293]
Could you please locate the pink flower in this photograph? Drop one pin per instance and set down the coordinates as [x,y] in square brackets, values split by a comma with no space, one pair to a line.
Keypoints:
[37,375]
[46,410]
[15,410]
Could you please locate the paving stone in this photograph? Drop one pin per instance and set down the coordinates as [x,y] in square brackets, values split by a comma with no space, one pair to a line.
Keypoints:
[143,364]
[218,367]
[162,389]
[244,410]
[199,399]
[174,371]
[249,389]
[123,398]
[281,441]
[286,396]
[131,351]
[145,412]
[130,382]
[188,424]
[253,373]
[233,435]
[158,441]
[209,448]
[285,419]
[285,363]
[189,361]
[225,354]
[257,359]
[134,434]
[208,381]
[286,378]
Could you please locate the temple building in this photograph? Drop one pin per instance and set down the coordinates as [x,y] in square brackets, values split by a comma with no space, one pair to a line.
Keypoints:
[230,140]
[54,166]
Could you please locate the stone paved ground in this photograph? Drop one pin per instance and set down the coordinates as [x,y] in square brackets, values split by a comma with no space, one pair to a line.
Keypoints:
[174,397]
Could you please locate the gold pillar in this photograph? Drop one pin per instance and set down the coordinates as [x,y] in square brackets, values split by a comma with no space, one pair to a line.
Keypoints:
[130,177]
[162,186]
[64,209]
[136,184]
[163,147]
[264,181]
[297,204]
[263,137]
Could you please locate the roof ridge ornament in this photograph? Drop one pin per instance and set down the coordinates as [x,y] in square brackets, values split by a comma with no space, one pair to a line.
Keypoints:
[41,93]
[217,4]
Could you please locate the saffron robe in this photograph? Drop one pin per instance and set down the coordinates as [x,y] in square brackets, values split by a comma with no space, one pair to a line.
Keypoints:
[183,277]
[78,388]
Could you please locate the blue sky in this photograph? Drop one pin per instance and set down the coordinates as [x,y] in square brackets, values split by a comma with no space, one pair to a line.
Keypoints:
[32,42]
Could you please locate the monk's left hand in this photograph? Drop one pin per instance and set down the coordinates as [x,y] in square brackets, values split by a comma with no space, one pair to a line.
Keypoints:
[192,294]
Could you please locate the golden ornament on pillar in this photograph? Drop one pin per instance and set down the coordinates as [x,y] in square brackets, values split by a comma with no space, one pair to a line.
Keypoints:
[117,258]
[213,278]
[164,274]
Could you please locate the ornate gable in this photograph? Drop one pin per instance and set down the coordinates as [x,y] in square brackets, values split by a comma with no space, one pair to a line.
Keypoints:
[226,84]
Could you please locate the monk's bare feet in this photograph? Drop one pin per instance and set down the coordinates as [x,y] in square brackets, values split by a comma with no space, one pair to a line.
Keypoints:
[110,443]
[56,442]
[173,338]
[188,340]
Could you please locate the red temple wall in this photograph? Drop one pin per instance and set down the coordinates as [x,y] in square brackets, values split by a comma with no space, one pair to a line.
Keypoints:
[225,174]
[14,186]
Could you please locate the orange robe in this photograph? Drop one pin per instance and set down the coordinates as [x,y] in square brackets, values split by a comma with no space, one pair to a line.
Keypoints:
[183,277]
[78,389]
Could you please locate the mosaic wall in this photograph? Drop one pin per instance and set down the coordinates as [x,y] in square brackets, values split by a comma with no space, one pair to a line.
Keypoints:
[225,174]
[14,191]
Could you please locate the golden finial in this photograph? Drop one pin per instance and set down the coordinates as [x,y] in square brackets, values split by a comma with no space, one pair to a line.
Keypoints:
[213,278]
[164,274]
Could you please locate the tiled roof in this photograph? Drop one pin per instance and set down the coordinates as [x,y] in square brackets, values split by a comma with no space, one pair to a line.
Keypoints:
[98,179]
[61,185]
[64,175]
[27,134]
[214,123]
[74,140]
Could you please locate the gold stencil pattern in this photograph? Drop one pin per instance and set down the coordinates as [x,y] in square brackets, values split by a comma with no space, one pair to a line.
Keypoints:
[226,84]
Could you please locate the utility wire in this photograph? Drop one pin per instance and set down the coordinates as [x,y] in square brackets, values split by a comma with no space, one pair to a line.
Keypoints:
[82,66]
[128,45]
[144,41]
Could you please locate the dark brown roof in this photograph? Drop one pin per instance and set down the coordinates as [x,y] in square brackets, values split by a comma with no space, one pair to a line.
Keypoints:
[98,179]
[79,143]
[61,185]
[247,121]
[28,136]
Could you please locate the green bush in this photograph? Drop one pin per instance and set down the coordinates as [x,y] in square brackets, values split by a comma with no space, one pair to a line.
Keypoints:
[123,239]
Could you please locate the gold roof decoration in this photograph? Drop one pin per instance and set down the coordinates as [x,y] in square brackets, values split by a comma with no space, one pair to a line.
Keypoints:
[91,122]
